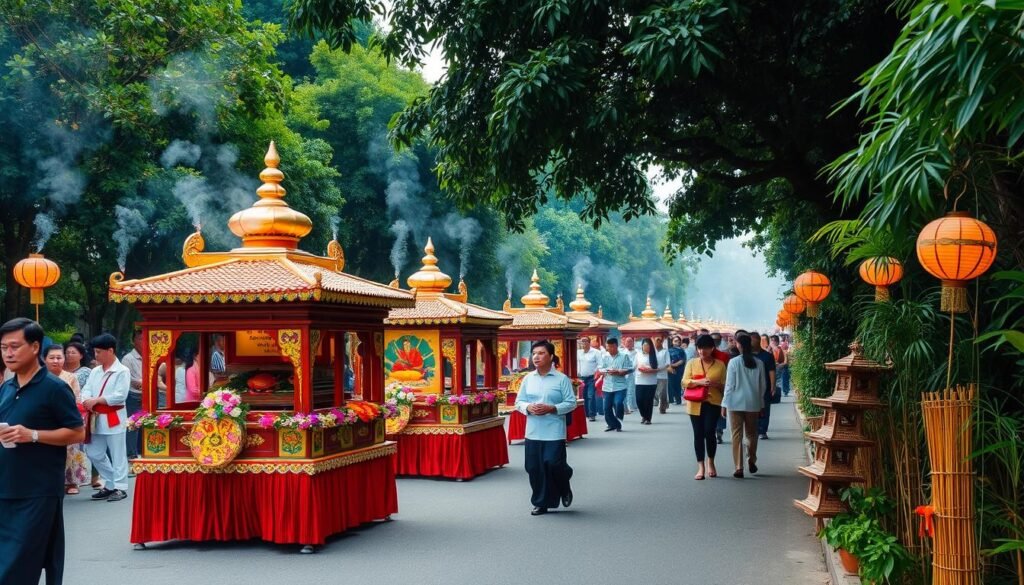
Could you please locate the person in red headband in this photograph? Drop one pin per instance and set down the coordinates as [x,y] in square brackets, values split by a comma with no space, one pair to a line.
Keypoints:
[103,397]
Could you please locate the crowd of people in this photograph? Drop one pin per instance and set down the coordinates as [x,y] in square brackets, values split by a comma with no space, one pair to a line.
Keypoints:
[718,381]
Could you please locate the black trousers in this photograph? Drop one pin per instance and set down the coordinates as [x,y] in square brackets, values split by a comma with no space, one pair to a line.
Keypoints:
[645,400]
[31,540]
[549,472]
[704,426]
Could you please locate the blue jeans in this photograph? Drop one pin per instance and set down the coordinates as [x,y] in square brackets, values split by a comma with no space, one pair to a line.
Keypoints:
[762,421]
[133,404]
[784,379]
[614,403]
[630,392]
[590,403]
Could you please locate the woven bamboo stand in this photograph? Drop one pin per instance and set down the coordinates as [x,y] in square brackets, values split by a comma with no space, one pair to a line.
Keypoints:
[949,431]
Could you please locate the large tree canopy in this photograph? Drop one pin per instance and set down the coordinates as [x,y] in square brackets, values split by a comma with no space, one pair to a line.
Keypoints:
[577,99]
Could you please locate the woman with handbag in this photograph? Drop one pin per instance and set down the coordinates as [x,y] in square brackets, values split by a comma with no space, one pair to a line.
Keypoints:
[743,400]
[704,381]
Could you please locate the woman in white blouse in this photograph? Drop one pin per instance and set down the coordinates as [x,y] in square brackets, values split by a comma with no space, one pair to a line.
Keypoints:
[743,401]
[647,368]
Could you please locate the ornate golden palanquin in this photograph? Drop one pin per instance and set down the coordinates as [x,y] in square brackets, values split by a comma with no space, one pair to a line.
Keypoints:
[295,334]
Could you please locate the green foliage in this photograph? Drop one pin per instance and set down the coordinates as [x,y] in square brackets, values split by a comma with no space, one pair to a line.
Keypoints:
[860,532]
[733,96]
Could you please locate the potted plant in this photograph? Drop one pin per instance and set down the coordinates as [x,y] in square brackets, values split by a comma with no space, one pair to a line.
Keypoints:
[865,547]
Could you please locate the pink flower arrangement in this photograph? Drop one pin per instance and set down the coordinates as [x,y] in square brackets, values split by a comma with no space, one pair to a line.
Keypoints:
[146,420]
[222,404]
[431,399]
[460,399]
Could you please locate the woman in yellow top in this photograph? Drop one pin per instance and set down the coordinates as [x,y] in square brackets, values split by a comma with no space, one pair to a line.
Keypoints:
[704,375]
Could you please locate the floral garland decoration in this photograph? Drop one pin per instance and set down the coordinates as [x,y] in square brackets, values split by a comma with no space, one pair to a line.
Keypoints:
[223,404]
[147,420]
[335,417]
[399,395]
[461,399]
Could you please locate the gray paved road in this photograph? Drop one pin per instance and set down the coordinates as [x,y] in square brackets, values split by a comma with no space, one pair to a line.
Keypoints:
[639,517]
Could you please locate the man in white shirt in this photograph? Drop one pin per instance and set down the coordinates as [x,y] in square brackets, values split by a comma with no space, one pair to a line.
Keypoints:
[587,361]
[545,397]
[629,348]
[133,361]
[104,395]
[661,392]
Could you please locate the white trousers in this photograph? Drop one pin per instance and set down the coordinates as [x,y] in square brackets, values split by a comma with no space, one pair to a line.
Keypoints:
[109,456]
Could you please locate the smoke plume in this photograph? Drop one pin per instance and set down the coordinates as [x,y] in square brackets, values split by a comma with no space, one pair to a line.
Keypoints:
[131,224]
[399,250]
[45,227]
[466,231]
[580,271]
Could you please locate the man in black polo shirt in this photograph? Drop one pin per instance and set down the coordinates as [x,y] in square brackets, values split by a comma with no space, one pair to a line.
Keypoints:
[38,420]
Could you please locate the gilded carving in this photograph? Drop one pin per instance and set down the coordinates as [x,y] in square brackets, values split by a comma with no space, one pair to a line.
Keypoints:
[448,350]
[558,348]
[297,467]
[290,342]
[337,253]
[159,346]
[502,349]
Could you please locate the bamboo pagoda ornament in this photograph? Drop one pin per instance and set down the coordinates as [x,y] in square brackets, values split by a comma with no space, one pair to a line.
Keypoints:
[948,427]
[445,350]
[841,434]
[881,272]
[812,287]
[36,273]
[956,249]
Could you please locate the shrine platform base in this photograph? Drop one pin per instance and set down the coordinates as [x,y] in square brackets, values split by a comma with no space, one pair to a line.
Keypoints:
[575,430]
[281,501]
[460,451]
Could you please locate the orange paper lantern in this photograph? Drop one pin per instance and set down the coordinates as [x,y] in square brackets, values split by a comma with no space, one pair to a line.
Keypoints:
[881,272]
[956,249]
[812,288]
[794,305]
[36,273]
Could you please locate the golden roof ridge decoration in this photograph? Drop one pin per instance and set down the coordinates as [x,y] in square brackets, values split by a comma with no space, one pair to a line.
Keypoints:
[268,267]
[535,314]
[434,306]
[581,310]
[648,322]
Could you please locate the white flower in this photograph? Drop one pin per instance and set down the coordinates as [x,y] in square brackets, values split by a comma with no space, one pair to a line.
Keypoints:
[236,412]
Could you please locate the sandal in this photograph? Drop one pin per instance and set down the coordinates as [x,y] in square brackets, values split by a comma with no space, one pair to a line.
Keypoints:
[738,474]
[713,473]
[71,490]
[699,476]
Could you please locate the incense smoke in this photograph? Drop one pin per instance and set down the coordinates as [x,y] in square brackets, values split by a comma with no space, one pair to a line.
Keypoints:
[399,250]
[465,230]
[130,226]
[335,224]
[181,152]
[45,227]
[580,271]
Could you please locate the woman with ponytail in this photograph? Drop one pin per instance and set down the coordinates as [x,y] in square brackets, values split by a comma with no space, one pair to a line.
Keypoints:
[647,367]
[744,398]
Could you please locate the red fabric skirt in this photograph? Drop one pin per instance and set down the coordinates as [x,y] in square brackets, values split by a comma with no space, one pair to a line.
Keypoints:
[285,508]
[575,430]
[453,456]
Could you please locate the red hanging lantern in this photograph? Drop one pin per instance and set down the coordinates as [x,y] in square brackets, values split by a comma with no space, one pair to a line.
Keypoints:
[812,287]
[881,272]
[956,249]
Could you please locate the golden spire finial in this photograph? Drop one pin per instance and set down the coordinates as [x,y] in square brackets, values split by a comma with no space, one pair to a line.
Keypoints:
[649,312]
[429,278]
[535,298]
[666,315]
[581,304]
[270,222]
[682,316]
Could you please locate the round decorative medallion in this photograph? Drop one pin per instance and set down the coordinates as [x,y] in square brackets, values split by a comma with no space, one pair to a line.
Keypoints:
[394,426]
[216,442]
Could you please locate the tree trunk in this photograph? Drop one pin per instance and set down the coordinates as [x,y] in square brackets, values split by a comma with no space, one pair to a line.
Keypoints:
[17,244]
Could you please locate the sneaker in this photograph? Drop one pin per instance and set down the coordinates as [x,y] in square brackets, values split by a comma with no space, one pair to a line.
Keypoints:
[763,437]
[567,499]
[718,437]
[117,496]
[103,494]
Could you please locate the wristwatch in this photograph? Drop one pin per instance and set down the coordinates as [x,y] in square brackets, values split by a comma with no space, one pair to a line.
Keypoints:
[35,436]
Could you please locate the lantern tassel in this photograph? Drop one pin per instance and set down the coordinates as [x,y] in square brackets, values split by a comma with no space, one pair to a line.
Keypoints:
[954,298]
[812,310]
[882,294]
[35,296]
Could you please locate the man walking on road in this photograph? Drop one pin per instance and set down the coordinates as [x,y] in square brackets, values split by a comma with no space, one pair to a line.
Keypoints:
[545,397]
[38,420]
[616,367]
[769,378]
